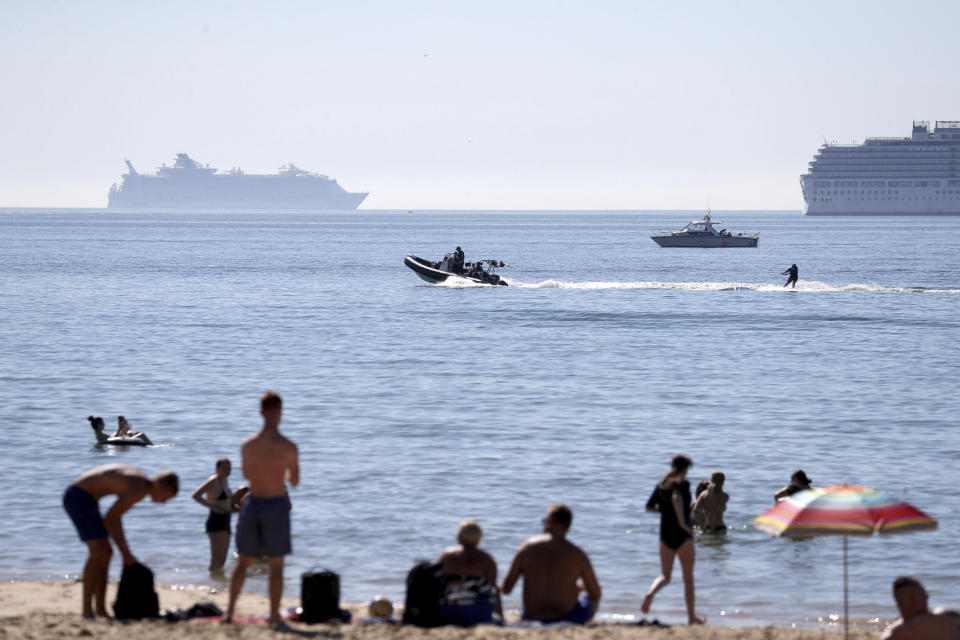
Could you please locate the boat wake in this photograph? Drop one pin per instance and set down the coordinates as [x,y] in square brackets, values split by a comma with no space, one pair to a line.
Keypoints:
[802,286]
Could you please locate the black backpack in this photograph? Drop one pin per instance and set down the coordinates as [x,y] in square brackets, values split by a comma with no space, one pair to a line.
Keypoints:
[424,592]
[136,597]
[319,596]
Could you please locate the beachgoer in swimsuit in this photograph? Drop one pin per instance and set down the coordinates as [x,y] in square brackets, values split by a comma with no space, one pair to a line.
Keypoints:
[470,580]
[263,527]
[216,496]
[124,431]
[671,499]
[81,502]
[707,509]
[553,569]
[793,274]
[102,438]
[798,482]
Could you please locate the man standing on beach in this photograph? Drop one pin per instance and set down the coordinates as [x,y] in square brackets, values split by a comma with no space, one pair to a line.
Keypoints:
[263,527]
[551,565]
[917,623]
[81,502]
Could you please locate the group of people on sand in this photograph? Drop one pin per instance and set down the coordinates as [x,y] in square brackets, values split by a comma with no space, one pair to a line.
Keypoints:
[270,461]
[559,583]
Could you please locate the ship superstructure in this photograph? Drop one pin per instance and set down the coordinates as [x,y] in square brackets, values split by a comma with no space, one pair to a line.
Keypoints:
[919,175]
[188,185]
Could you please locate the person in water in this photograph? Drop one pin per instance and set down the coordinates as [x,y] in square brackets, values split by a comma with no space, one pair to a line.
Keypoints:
[81,502]
[708,507]
[671,499]
[793,274]
[798,482]
[215,495]
[263,527]
[552,568]
[125,431]
[470,576]
[916,622]
[102,438]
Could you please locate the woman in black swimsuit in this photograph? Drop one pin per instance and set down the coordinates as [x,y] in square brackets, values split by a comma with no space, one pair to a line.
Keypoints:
[215,495]
[671,499]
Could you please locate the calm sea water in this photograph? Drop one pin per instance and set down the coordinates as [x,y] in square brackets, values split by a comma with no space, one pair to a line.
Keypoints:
[416,406]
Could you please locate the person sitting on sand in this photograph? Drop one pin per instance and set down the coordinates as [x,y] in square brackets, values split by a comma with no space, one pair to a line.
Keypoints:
[125,431]
[80,501]
[102,438]
[916,621]
[470,578]
[553,570]
[707,510]
[798,482]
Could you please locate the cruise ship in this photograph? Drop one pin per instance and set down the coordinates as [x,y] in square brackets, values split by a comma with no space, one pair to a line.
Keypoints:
[915,176]
[188,185]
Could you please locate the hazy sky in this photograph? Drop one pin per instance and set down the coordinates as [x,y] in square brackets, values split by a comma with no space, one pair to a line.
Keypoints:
[520,104]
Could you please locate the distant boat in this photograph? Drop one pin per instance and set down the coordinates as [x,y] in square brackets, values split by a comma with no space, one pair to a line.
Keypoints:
[701,233]
[915,176]
[188,185]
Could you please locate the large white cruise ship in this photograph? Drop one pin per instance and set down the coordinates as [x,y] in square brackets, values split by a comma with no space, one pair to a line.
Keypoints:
[188,185]
[915,176]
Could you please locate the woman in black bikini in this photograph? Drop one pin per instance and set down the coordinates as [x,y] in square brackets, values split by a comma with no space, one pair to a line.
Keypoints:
[215,495]
[671,499]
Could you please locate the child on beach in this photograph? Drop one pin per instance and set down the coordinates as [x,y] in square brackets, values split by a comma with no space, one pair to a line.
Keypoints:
[81,502]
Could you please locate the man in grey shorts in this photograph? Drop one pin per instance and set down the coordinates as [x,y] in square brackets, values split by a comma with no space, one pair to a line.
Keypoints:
[263,527]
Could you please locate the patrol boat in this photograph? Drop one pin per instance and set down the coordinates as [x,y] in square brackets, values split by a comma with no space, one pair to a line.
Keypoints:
[449,267]
[701,233]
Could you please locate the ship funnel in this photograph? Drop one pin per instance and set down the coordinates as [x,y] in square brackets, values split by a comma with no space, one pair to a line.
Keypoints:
[133,171]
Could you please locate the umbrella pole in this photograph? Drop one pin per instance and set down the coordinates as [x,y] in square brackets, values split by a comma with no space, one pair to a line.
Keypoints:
[846,610]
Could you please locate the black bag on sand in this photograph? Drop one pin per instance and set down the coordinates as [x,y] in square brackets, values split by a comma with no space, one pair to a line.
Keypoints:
[136,597]
[319,596]
[424,592]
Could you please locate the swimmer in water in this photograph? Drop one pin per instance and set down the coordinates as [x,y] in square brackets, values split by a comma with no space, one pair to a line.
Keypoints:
[124,431]
[102,438]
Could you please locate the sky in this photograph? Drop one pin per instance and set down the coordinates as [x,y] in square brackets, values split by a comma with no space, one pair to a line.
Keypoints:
[526,104]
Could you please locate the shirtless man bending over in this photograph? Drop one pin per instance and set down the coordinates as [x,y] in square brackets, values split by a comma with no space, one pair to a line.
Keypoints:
[263,527]
[553,569]
[917,623]
[81,502]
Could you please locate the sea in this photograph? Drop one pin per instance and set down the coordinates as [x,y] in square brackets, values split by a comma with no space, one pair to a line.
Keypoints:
[416,406]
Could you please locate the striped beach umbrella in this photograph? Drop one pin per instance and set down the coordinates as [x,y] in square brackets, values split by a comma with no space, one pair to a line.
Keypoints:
[844,510]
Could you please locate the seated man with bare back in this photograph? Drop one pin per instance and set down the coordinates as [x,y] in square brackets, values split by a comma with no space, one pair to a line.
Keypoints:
[263,527]
[553,570]
[81,502]
[916,622]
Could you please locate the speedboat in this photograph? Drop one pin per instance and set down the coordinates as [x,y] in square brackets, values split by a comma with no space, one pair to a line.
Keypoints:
[701,233]
[436,272]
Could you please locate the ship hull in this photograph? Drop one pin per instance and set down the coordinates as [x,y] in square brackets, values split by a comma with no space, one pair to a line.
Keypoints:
[705,243]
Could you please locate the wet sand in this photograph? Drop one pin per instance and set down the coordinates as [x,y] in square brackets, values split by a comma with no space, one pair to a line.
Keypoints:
[38,610]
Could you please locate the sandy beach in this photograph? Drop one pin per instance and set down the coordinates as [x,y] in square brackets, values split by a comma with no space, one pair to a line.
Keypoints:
[42,610]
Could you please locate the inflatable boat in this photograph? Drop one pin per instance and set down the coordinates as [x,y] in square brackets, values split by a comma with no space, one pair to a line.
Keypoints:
[436,272]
